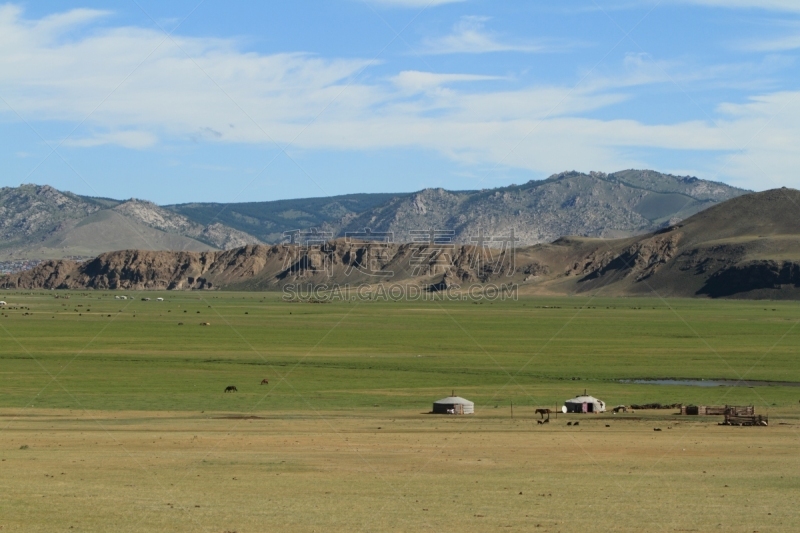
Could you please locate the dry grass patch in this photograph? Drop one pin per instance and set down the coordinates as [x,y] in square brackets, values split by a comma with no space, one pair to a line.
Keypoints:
[395,471]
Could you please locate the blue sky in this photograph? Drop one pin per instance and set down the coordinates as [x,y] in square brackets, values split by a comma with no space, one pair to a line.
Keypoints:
[230,101]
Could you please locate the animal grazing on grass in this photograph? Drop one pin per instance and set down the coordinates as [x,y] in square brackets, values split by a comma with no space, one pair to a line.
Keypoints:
[569,423]
[231,388]
[265,381]
[656,429]
[543,412]
[539,422]
[205,323]
[576,423]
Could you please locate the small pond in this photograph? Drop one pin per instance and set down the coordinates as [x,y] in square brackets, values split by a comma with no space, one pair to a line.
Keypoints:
[712,382]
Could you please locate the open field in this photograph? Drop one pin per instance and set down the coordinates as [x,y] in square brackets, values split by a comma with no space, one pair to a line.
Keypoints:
[127,427]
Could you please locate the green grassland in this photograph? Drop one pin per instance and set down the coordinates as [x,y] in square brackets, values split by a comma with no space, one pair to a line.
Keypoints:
[94,352]
[113,416]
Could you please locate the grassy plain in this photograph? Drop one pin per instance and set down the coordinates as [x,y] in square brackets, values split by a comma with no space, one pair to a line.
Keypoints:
[127,426]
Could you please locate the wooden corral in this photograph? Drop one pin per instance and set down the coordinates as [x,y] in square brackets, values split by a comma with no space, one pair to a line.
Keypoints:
[703,409]
[754,420]
[743,416]
[740,410]
[737,410]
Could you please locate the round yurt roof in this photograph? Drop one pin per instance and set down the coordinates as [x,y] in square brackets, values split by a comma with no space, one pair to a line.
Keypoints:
[453,400]
[584,398]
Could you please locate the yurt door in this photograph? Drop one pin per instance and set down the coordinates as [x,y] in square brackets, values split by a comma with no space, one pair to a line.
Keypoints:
[585,408]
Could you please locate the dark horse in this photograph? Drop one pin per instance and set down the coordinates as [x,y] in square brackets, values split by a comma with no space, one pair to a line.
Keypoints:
[265,381]
[543,412]
[231,388]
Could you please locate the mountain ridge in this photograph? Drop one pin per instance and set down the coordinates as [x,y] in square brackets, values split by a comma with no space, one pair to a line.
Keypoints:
[747,247]
[40,222]
[542,210]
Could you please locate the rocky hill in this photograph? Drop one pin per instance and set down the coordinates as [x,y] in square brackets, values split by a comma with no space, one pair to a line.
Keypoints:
[31,213]
[747,247]
[269,220]
[40,222]
[624,203]
[215,234]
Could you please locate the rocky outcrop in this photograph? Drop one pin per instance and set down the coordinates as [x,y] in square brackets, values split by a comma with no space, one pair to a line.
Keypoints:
[639,261]
[602,205]
[39,222]
[271,266]
[752,276]
[216,234]
[33,213]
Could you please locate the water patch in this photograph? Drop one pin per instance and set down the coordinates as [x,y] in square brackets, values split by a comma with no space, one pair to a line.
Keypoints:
[712,382]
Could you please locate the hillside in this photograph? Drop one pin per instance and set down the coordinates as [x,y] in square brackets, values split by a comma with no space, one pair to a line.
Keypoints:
[624,203]
[746,247]
[40,222]
[269,220]
[590,205]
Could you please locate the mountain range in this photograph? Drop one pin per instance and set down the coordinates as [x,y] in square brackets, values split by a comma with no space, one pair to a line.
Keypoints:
[746,247]
[623,203]
[40,222]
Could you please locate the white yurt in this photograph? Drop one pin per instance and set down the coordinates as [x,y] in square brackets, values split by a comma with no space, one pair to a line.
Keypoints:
[584,404]
[453,405]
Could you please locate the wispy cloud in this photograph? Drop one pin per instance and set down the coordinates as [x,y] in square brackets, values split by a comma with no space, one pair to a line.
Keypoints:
[783,43]
[771,5]
[317,103]
[415,81]
[126,139]
[469,36]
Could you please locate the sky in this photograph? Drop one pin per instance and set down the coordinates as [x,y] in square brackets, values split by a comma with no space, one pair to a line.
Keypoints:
[190,100]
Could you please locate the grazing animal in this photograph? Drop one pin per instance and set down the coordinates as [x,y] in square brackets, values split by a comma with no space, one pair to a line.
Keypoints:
[231,388]
[539,422]
[576,423]
[265,381]
[205,323]
[569,423]
[656,429]
[543,412]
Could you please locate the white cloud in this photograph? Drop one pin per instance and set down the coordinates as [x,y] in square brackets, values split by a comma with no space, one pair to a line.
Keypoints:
[126,139]
[469,36]
[790,42]
[771,5]
[415,81]
[775,44]
[315,103]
